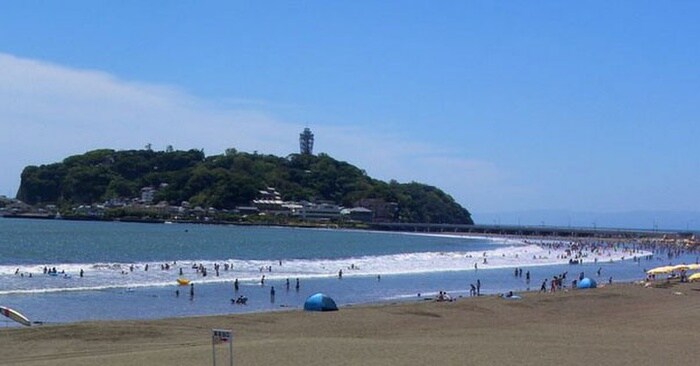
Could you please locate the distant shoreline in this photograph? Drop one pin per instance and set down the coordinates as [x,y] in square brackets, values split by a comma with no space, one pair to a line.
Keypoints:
[163,221]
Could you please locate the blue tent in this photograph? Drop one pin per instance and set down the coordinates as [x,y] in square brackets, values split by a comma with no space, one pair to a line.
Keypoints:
[587,283]
[320,302]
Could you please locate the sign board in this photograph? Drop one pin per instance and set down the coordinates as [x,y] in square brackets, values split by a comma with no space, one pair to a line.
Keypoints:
[219,336]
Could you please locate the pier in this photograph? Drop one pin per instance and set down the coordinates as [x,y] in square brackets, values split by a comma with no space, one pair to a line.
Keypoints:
[539,231]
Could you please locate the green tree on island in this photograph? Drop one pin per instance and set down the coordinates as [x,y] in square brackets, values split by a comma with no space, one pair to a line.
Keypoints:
[226,181]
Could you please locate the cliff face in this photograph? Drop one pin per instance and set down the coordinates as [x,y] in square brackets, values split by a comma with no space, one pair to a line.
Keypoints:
[225,181]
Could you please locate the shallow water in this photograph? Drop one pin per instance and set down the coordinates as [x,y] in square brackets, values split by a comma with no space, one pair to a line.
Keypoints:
[376,267]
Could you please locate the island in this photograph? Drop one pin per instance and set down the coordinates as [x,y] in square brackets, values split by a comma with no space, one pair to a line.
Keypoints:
[187,185]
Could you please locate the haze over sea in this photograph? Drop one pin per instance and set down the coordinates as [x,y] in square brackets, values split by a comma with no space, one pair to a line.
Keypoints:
[387,267]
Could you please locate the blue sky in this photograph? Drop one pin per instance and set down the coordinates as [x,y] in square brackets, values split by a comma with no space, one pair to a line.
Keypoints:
[586,106]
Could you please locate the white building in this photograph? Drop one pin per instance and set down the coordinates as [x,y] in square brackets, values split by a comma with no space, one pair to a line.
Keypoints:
[147,194]
[319,211]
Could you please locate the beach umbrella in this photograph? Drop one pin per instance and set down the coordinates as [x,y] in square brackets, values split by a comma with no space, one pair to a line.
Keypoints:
[320,302]
[586,283]
[681,267]
[694,277]
[659,270]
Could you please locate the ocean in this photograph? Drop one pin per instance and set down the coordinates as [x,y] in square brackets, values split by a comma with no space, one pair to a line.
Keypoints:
[130,270]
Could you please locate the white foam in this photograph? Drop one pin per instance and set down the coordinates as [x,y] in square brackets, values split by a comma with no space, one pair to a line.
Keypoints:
[103,276]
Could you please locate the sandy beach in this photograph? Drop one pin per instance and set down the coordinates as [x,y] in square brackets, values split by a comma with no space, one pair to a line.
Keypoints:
[615,325]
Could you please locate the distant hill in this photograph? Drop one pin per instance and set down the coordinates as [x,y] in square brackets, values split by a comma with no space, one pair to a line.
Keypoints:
[225,181]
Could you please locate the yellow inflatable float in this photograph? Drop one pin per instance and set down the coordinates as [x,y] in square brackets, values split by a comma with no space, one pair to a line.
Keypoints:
[183,281]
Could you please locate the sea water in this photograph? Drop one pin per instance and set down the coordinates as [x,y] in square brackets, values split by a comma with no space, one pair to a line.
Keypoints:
[376,266]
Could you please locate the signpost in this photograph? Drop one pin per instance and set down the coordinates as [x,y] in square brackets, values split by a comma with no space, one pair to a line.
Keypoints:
[219,336]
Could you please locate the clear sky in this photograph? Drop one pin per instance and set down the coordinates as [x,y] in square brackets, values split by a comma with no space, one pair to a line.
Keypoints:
[583,106]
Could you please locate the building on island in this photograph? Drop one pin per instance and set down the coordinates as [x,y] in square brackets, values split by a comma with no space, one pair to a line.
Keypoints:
[270,200]
[382,211]
[360,214]
[321,211]
[306,142]
[147,194]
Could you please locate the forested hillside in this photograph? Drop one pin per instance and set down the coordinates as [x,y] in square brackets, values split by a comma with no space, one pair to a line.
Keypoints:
[225,181]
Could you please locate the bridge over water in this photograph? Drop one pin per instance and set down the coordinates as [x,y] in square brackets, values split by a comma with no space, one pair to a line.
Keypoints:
[537,231]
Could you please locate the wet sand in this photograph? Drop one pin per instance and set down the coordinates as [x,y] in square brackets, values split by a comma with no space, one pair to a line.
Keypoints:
[615,325]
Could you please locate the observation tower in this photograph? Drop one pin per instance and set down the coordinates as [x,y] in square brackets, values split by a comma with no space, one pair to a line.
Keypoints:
[306,142]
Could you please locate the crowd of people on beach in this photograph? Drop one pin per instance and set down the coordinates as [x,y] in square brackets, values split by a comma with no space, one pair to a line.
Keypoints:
[591,250]
[575,252]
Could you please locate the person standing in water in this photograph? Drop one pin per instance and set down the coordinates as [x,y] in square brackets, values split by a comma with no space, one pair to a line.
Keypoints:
[297,285]
[191,290]
[235,285]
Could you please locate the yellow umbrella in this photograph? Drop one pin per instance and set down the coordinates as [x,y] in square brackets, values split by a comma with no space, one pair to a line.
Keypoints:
[694,277]
[659,270]
[680,267]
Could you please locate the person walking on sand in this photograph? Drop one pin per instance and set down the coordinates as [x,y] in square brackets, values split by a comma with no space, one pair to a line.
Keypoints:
[543,288]
[553,285]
